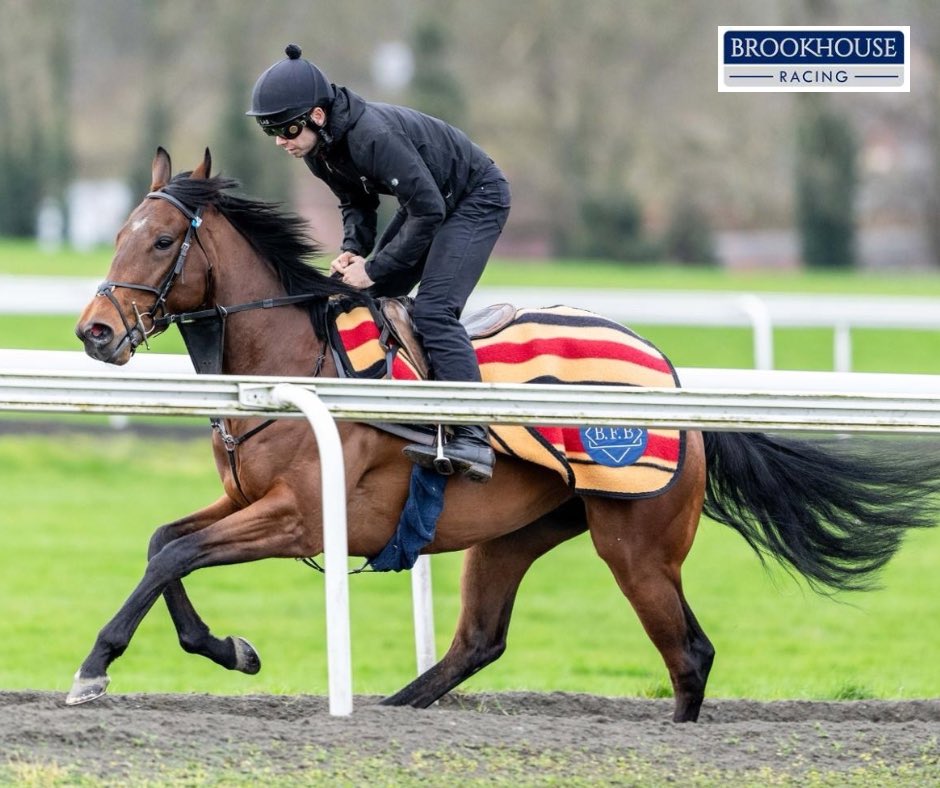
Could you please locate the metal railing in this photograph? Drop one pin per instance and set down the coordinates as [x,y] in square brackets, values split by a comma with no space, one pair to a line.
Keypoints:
[916,409]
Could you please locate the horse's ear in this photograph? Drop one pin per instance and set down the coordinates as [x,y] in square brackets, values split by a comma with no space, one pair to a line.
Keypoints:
[202,171]
[160,170]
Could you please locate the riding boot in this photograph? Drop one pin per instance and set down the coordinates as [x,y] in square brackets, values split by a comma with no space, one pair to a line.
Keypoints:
[467,452]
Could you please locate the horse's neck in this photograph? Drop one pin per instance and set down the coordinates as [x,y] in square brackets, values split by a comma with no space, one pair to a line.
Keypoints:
[275,341]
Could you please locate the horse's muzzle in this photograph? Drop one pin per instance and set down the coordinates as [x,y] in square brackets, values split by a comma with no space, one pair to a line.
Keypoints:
[102,344]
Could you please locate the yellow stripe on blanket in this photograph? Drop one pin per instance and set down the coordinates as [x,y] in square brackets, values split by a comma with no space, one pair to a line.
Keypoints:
[566,345]
[568,370]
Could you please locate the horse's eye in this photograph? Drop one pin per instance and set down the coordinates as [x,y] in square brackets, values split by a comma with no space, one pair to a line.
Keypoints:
[163,242]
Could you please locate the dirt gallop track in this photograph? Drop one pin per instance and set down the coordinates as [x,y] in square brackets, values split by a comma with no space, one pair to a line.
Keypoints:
[516,738]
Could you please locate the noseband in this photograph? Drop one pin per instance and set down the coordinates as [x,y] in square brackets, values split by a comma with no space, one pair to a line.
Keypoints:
[158,308]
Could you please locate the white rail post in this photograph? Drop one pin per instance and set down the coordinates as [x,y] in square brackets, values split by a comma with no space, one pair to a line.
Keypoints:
[756,309]
[842,347]
[335,545]
[423,612]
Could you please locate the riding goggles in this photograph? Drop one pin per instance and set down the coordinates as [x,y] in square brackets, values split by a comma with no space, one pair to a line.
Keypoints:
[289,130]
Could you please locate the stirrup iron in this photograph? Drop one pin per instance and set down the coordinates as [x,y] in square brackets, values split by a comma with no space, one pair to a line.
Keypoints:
[442,464]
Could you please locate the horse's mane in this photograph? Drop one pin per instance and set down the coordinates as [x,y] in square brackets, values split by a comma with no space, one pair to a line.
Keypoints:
[280,237]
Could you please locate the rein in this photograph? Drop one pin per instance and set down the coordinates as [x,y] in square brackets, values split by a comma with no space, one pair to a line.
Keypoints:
[224,311]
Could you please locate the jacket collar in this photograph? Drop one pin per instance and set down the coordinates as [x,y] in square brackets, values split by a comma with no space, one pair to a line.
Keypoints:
[346,110]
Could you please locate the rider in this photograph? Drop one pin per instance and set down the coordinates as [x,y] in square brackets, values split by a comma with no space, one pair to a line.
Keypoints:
[453,203]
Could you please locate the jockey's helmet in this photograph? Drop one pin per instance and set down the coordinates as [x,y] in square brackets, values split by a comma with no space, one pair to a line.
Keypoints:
[288,89]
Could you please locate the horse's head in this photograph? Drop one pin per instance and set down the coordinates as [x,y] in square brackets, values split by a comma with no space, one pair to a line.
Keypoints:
[159,267]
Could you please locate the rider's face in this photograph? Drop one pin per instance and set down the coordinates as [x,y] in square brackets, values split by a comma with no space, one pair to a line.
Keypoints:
[307,140]
[301,145]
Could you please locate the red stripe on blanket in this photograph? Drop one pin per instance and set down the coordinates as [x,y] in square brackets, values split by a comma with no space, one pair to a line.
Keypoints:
[402,371]
[662,448]
[659,447]
[512,353]
[359,335]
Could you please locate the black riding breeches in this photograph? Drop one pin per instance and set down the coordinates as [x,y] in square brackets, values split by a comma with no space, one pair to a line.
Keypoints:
[448,273]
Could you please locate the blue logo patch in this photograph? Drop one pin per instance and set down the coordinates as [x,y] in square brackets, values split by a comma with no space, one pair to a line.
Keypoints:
[614,446]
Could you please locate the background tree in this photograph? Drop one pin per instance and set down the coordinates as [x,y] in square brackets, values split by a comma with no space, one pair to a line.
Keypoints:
[928,24]
[825,165]
[239,148]
[826,182]
[434,88]
[689,238]
[242,151]
[580,104]
[156,121]
[35,152]
[58,162]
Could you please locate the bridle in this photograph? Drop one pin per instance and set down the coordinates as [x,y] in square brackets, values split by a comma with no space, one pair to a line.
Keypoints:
[157,312]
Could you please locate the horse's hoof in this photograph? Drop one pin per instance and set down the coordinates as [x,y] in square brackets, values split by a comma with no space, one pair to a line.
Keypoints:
[246,658]
[84,690]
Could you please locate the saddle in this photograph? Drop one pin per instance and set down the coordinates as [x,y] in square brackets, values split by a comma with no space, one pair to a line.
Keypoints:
[399,327]
[379,340]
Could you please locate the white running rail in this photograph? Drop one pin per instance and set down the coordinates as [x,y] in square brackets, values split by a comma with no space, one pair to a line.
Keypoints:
[906,403]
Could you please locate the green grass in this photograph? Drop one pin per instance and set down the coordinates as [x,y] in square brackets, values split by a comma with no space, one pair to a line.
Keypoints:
[873,351]
[24,257]
[77,515]
[57,332]
[592,273]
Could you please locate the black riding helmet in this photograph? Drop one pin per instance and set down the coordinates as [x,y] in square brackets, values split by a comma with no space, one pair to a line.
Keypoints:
[288,89]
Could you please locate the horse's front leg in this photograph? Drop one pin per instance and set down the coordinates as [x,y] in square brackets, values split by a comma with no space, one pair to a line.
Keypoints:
[271,526]
[233,653]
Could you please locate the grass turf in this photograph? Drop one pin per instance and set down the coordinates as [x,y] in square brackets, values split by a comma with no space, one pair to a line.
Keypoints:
[78,514]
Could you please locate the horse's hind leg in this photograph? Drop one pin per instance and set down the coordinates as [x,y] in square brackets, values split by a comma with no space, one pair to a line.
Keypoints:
[644,542]
[492,572]
[233,653]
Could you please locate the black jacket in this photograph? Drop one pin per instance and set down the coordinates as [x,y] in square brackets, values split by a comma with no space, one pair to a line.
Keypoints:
[374,149]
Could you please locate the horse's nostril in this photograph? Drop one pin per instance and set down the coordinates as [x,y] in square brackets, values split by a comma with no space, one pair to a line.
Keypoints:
[99,333]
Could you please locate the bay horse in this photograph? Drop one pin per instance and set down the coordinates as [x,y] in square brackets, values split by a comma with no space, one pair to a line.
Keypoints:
[192,248]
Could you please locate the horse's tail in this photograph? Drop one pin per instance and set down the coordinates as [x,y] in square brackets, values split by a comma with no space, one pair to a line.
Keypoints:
[832,513]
